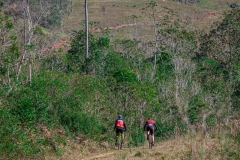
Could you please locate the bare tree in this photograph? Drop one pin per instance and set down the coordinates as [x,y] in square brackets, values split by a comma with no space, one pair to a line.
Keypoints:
[157,23]
[8,49]
[182,87]
[86,20]
[30,17]
[184,69]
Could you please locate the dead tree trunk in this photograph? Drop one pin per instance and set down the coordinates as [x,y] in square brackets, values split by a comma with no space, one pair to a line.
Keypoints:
[86,20]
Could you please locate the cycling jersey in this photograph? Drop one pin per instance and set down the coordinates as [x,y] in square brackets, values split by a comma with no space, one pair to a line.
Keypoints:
[150,124]
[119,123]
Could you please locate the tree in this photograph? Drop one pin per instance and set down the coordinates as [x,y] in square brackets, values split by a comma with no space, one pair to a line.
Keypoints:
[8,50]
[157,24]
[35,15]
[97,48]
[180,86]
[219,58]
[86,31]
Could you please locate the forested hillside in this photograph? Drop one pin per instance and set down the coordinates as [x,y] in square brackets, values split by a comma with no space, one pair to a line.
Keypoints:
[185,78]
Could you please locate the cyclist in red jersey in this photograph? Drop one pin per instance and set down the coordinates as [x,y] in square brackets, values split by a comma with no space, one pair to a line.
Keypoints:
[150,126]
[120,127]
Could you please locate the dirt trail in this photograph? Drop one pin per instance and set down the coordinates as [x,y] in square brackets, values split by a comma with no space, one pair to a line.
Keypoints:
[191,146]
[160,150]
[179,148]
[103,155]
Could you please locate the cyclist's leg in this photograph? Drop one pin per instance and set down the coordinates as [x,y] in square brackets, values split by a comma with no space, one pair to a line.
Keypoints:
[148,132]
[122,132]
[152,133]
[117,134]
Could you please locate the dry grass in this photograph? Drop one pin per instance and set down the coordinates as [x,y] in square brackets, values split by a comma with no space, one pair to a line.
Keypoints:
[197,146]
[78,149]
[114,14]
[216,145]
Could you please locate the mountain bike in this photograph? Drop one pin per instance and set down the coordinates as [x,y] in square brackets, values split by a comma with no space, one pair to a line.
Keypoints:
[150,140]
[119,141]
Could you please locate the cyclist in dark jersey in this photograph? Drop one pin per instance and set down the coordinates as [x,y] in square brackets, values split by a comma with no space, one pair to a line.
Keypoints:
[120,127]
[150,126]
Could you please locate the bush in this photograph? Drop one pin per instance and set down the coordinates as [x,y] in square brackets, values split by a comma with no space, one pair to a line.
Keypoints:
[78,122]
[14,141]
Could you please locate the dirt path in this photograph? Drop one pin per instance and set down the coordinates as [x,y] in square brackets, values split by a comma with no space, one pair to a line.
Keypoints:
[198,147]
[103,155]
[132,153]
[184,147]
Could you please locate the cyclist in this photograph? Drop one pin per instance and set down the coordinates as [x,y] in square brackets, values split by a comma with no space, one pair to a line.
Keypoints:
[120,127]
[150,126]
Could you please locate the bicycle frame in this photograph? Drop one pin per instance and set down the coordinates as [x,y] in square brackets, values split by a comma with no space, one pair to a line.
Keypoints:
[150,140]
[119,141]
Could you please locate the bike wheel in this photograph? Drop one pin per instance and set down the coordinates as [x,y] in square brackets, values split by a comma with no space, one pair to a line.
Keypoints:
[150,141]
[120,142]
[119,145]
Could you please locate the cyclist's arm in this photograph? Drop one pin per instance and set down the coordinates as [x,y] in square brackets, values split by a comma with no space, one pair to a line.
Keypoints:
[155,126]
[124,124]
[144,127]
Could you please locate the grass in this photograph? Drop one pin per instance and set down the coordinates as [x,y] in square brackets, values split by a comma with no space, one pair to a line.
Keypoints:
[194,146]
[207,4]
[218,144]
[113,13]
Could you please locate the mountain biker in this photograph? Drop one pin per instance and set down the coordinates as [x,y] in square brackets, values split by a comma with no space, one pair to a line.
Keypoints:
[120,127]
[150,126]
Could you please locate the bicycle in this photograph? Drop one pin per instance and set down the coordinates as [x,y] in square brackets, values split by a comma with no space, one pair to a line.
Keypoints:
[119,141]
[150,140]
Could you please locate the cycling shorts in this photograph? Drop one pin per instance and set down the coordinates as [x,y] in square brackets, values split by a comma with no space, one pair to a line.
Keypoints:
[119,130]
[150,128]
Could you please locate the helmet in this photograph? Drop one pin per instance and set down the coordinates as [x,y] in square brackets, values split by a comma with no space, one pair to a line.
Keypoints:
[120,117]
[149,118]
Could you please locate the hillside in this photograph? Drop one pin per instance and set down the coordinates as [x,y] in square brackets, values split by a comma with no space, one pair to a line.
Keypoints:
[114,14]
[196,146]
[178,63]
[118,16]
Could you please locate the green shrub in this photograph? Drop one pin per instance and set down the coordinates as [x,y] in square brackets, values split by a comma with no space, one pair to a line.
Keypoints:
[79,122]
[137,137]
[14,141]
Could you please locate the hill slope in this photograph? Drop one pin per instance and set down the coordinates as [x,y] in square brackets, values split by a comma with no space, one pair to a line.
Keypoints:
[188,147]
[112,13]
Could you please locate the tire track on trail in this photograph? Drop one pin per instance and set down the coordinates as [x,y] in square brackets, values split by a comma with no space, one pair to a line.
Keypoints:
[100,156]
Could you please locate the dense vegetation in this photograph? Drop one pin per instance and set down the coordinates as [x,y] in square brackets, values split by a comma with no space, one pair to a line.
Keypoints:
[191,83]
